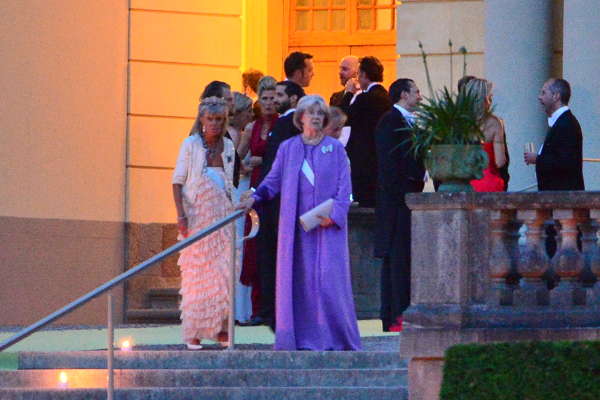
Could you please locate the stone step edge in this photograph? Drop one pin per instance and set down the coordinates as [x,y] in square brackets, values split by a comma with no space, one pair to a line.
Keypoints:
[198,378]
[215,388]
[211,359]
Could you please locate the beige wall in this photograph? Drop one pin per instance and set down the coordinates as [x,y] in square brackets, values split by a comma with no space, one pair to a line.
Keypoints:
[63,79]
[63,84]
[433,23]
[176,48]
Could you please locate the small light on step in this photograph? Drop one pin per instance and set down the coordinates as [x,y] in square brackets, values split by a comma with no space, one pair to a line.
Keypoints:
[126,345]
[63,380]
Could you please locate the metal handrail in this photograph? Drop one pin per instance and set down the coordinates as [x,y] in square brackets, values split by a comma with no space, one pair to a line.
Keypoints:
[130,273]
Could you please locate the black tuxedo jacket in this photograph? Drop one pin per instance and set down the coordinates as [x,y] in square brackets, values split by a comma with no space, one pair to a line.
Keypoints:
[559,166]
[363,116]
[283,129]
[399,172]
[337,98]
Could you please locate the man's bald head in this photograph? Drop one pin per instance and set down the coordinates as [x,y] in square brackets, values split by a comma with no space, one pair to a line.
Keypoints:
[348,69]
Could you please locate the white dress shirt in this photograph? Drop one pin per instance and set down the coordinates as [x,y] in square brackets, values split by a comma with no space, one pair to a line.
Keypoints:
[552,120]
[371,85]
[408,116]
[556,115]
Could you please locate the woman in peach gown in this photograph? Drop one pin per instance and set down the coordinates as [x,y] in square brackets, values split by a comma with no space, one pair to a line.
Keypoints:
[202,189]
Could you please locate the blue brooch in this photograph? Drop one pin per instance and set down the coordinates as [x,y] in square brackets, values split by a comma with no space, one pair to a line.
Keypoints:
[327,149]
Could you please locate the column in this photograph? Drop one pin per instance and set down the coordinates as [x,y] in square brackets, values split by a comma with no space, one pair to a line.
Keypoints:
[581,62]
[518,58]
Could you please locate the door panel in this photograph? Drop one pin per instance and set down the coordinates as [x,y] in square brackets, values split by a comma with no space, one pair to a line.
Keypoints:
[332,29]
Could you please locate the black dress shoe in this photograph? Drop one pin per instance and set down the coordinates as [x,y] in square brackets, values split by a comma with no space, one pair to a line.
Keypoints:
[254,321]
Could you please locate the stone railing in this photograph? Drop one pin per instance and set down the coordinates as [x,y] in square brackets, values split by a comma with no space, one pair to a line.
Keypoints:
[481,272]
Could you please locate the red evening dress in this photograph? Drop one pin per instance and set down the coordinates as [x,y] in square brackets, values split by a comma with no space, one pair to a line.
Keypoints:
[491,181]
[250,275]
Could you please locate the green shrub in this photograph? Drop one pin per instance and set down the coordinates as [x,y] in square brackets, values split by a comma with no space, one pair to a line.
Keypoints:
[522,371]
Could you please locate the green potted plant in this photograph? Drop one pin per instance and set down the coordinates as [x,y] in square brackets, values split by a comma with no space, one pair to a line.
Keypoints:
[447,135]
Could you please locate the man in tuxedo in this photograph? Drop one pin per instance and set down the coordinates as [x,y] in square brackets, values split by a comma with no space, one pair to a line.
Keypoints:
[399,172]
[558,163]
[287,95]
[363,115]
[348,70]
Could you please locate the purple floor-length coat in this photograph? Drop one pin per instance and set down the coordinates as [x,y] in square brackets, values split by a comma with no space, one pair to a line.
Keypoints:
[314,303]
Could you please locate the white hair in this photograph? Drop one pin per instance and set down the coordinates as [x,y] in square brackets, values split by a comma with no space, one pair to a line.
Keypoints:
[307,102]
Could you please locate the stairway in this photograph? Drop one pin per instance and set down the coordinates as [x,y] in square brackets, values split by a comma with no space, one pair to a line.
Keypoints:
[203,375]
[162,307]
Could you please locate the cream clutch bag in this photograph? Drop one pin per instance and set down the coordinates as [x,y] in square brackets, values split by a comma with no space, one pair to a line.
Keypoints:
[309,220]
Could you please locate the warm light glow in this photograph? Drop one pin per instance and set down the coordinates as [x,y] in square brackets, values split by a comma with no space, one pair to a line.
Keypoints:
[63,379]
[126,345]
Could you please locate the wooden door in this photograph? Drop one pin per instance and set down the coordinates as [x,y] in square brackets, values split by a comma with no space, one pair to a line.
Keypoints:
[332,29]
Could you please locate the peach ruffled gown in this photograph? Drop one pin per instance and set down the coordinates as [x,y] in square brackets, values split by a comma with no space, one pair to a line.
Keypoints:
[205,265]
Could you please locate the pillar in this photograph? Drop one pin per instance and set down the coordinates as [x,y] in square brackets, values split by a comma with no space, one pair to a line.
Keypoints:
[581,62]
[518,59]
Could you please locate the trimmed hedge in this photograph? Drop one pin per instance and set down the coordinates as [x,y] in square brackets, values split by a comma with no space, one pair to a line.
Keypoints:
[522,371]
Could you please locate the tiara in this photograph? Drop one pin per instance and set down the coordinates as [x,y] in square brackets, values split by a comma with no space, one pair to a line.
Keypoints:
[213,101]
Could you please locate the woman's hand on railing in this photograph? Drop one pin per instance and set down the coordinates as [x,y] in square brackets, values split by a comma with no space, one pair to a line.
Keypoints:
[246,201]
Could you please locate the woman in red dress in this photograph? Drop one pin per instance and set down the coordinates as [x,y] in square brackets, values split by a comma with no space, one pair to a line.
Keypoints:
[252,148]
[494,141]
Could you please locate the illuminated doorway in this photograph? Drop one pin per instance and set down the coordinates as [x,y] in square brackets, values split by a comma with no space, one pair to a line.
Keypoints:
[332,29]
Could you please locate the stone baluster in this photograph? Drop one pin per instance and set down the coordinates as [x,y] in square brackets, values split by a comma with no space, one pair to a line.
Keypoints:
[533,261]
[568,260]
[502,256]
[592,253]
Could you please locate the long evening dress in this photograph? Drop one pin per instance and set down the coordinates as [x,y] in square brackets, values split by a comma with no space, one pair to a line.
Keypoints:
[314,303]
[250,274]
[205,265]
[491,181]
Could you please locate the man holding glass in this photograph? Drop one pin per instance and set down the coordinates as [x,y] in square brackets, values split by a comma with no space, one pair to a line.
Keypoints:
[558,163]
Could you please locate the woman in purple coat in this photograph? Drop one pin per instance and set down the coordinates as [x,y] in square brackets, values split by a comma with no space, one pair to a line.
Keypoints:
[314,303]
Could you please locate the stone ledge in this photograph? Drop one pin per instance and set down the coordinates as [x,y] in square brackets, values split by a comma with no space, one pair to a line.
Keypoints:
[499,201]
[418,342]
[483,316]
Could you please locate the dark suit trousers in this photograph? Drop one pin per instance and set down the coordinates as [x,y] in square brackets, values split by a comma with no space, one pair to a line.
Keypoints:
[267,257]
[395,273]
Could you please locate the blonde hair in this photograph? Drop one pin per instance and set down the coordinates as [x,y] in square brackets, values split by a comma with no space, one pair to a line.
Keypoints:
[481,89]
[213,105]
[307,102]
[266,83]
[241,102]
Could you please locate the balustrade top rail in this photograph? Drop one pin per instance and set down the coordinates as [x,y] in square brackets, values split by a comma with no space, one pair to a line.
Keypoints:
[504,200]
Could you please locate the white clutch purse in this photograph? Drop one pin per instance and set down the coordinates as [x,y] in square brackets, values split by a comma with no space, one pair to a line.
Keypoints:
[309,219]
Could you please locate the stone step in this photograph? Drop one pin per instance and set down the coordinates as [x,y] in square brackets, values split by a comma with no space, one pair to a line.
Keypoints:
[153,315]
[232,393]
[131,378]
[206,359]
[163,298]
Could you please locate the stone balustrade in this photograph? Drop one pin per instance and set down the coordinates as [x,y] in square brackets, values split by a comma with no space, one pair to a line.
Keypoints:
[482,272]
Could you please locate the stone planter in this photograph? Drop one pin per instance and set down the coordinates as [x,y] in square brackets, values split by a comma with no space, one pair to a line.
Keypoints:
[455,165]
